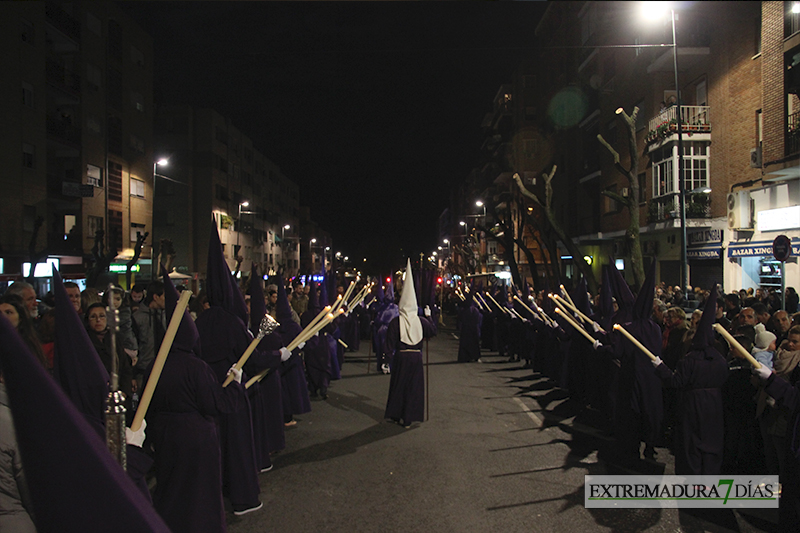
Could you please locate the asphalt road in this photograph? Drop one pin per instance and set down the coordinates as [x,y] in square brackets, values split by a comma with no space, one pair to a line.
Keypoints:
[502,450]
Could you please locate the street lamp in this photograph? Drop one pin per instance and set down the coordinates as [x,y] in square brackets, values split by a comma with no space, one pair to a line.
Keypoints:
[658,10]
[480,203]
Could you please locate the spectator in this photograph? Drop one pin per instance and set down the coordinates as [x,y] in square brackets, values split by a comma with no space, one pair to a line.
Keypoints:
[761,313]
[779,325]
[25,292]
[74,293]
[299,299]
[792,300]
[149,325]
[721,318]
[16,311]
[120,302]
[137,295]
[733,305]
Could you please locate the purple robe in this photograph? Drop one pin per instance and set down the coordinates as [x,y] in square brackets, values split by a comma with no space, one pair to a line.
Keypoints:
[406,399]
[181,426]
[469,334]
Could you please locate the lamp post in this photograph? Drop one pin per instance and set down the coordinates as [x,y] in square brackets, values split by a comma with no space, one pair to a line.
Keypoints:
[657,9]
[480,203]
[241,205]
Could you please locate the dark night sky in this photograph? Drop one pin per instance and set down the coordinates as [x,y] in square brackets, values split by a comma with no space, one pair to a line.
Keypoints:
[372,108]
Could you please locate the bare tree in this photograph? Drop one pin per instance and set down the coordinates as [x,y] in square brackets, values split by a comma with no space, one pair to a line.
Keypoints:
[547,207]
[33,256]
[102,258]
[137,251]
[631,202]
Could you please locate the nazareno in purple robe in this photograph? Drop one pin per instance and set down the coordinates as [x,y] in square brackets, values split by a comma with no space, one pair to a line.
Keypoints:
[294,386]
[406,399]
[469,334]
[699,377]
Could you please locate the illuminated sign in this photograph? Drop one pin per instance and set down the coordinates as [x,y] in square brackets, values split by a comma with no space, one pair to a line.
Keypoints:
[42,270]
[757,249]
[778,219]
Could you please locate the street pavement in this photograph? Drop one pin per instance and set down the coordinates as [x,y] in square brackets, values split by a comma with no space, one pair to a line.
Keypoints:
[503,450]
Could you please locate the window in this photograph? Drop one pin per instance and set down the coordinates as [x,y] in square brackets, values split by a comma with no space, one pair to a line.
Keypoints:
[28,155]
[221,193]
[137,56]
[114,229]
[758,35]
[94,176]
[70,223]
[135,230]
[759,128]
[137,101]
[27,94]
[695,165]
[94,224]
[610,205]
[114,182]
[137,188]
[26,31]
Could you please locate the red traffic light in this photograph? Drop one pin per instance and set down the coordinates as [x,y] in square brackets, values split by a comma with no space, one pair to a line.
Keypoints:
[388,280]
[439,280]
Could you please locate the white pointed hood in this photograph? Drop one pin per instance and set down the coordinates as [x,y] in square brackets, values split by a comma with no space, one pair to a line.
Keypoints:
[410,326]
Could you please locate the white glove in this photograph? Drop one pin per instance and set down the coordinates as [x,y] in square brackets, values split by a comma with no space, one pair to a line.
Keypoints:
[657,361]
[597,345]
[595,327]
[763,373]
[300,346]
[427,311]
[285,354]
[135,438]
[236,373]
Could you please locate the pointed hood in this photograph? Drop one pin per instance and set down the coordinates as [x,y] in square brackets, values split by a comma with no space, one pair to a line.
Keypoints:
[289,329]
[239,305]
[643,306]
[623,294]
[704,336]
[313,308]
[580,296]
[410,326]
[187,338]
[62,450]
[218,274]
[324,301]
[76,365]
[606,303]
[418,285]
[258,307]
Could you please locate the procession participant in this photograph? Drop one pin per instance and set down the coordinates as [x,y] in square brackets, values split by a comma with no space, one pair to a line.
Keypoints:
[581,353]
[294,385]
[183,433]
[787,396]
[316,351]
[266,397]
[385,312]
[62,447]
[328,334]
[698,378]
[406,401]
[223,339]
[639,402]
[469,334]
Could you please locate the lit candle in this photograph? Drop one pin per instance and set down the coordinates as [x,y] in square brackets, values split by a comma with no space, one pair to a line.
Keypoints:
[736,346]
[633,339]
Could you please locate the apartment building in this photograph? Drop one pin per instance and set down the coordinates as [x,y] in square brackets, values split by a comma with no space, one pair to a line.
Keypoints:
[76,136]
[210,172]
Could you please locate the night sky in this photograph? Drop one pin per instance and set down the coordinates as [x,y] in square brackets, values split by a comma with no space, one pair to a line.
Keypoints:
[372,108]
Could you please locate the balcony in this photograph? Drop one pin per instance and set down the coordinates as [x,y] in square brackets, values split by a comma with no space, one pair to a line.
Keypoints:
[793,133]
[667,207]
[62,20]
[63,129]
[60,76]
[694,119]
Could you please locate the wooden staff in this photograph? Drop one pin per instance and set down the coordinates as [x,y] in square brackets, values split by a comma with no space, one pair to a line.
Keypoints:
[267,326]
[340,341]
[161,358]
[317,318]
[575,325]
[633,339]
[569,298]
[531,311]
[460,296]
[482,300]
[503,309]
[337,304]
[303,337]
[736,346]
[427,383]
[578,312]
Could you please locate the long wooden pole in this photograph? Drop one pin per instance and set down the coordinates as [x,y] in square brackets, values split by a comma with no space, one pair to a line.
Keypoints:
[427,383]
[635,341]
[578,312]
[161,358]
[565,316]
[736,346]
[569,298]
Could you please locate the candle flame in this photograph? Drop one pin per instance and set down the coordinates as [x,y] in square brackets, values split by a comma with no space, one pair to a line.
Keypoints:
[617,326]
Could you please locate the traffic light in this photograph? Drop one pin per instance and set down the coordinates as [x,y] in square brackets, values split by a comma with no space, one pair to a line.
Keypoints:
[439,281]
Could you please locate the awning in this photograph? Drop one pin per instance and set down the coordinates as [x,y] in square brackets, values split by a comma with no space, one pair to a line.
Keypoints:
[706,251]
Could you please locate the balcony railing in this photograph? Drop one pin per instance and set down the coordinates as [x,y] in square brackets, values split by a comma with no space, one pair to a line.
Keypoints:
[694,119]
[793,133]
[667,207]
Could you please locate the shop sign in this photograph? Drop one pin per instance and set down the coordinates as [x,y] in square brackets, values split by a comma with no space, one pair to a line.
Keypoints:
[704,252]
[705,236]
[757,249]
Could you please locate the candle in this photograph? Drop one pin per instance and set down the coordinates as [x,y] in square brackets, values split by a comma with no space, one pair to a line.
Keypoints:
[575,325]
[736,346]
[633,339]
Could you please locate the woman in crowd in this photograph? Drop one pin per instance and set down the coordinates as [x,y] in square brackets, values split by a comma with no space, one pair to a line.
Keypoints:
[97,327]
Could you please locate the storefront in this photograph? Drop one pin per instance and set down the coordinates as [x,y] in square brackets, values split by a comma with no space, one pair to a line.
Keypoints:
[704,254]
[751,264]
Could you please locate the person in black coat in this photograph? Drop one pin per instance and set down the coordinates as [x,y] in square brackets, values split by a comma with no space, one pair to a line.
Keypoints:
[97,327]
